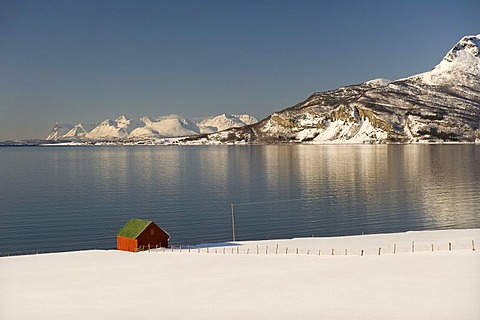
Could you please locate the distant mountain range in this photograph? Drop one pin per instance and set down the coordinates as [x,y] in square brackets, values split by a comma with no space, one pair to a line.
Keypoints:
[169,126]
[441,105]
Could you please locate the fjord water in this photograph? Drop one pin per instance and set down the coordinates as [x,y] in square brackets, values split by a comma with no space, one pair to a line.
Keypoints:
[72,198]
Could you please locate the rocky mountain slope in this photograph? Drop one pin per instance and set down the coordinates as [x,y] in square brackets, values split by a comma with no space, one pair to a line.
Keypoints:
[144,128]
[440,105]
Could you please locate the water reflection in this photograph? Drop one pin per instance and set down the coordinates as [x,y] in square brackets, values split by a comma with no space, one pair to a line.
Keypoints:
[446,180]
[83,195]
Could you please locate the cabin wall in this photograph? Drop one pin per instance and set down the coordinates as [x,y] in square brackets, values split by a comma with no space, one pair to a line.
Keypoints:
[127,244]
[154,236]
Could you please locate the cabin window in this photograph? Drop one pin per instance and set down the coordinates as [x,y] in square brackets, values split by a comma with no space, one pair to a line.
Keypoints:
[152,232]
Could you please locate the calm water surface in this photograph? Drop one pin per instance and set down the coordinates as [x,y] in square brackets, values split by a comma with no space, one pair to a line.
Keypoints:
[71,198]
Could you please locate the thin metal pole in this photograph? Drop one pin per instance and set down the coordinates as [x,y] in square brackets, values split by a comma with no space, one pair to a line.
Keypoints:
[233,223]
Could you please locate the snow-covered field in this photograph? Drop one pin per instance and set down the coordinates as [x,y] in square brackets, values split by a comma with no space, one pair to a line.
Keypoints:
[232,281]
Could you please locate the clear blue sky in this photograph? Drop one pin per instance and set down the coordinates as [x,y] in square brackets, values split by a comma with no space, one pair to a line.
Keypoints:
[85,61]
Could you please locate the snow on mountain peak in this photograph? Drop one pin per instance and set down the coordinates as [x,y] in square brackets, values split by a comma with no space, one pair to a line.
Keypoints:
[165,126]
[460,66]
[380,82]
[122,120]
[79,130]
[106,122]
[146,120]
[106,129]
[441,105]
[224,121]
[469,45]
[59,130]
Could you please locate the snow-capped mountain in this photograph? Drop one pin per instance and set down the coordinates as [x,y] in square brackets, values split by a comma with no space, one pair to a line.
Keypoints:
[123,128]
[59,130]
[119,128]
[79,130]
[224,121]
[436,106]
[166,126]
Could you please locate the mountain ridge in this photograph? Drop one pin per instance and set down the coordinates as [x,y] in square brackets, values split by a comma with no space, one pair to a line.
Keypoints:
[440,105]
[167,126]
[437,106]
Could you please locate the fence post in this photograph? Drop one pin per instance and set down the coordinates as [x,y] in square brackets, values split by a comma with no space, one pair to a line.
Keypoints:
[215,250]
[238,250]
[361,254]
[333,252]
[379,250]
[473,245]
[248,250]
[413,246]
[223,250]
[432,247]
[318,251]
[449,246]
[308,252]
[345,251]
[207,250]
[276,249]
[188,248]
[257,248]
[297,250]
[286,250]
[394,248]
[266,249]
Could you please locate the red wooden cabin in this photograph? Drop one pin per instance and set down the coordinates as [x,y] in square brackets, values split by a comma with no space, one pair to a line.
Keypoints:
[141,234]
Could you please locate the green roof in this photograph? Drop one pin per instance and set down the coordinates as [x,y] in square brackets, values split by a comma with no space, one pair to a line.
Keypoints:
[133,228]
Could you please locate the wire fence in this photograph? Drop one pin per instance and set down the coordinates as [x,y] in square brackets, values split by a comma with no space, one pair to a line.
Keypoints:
[280,248]
[232,248]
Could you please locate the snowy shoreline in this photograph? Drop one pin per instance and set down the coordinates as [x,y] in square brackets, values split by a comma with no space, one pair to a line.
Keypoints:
[232,281]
